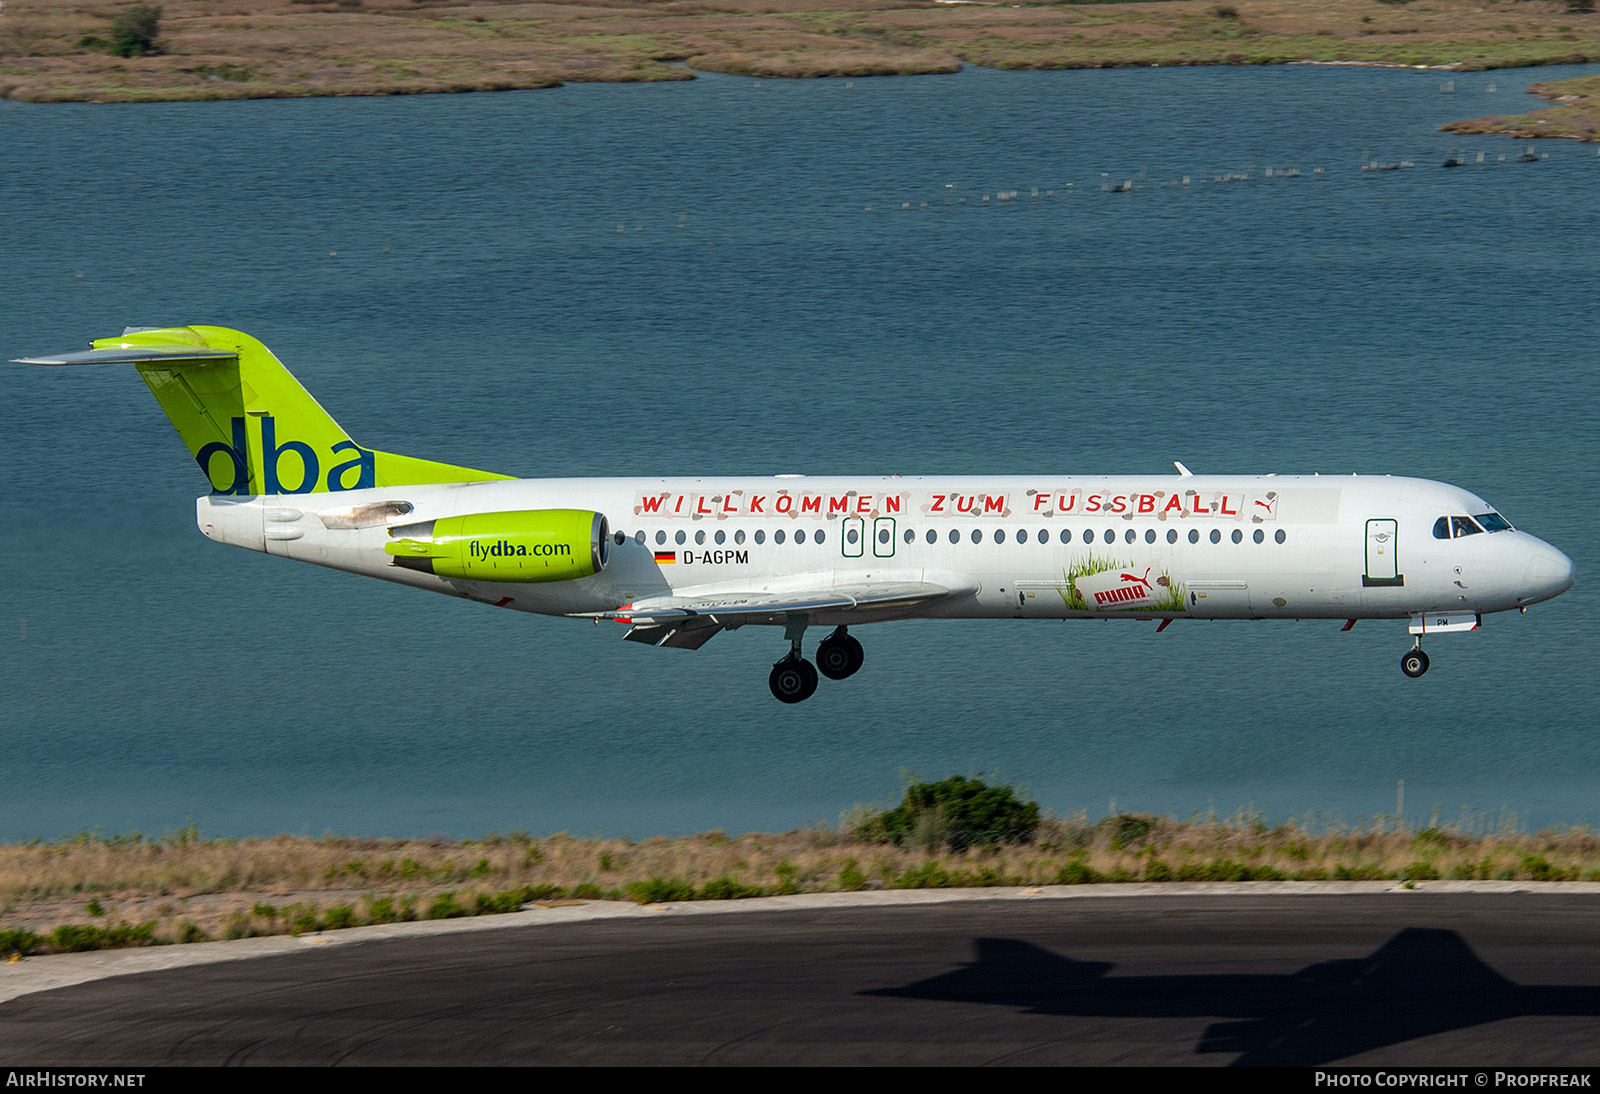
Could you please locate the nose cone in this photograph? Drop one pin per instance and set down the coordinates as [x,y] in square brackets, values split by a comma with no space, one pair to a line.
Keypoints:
[1550,573]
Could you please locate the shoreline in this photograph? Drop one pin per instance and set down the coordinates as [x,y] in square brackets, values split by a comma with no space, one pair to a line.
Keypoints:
[51,51]
[92,892]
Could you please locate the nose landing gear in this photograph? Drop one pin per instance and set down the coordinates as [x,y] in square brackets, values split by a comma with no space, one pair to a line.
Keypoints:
[1414,663]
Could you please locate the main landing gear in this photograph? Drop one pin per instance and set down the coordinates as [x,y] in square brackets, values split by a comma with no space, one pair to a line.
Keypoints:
[794,679]
[1415,662]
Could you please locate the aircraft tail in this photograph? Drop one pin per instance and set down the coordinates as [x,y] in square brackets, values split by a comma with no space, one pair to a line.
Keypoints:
[247,421]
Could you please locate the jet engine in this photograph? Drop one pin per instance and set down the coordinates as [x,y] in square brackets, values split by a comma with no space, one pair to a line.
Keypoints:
[525,545]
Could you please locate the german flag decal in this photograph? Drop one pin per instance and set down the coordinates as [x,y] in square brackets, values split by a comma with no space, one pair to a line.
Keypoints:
[665,557]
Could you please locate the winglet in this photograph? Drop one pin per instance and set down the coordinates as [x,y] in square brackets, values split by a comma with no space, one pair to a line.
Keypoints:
[1182,470]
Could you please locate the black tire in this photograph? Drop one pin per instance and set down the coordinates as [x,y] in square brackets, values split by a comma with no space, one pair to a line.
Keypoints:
[1414,663]
[839,656]
[792,680]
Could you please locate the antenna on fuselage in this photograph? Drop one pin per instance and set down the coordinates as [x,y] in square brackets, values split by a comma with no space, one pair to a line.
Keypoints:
[1183,471]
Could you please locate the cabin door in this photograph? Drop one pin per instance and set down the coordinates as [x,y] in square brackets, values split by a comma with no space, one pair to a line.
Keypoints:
[1383,562]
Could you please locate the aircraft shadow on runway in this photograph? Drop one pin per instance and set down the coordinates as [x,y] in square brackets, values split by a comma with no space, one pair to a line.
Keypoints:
[1422,981]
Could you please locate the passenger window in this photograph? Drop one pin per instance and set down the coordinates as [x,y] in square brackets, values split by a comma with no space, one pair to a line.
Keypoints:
[722,537]
[1111,535]
[1044,536]
[1238,535]
[999,535]
[777,537]
[1441,528]
[1172,535]
[1279,535]
[955,536]
[699,537]
[1066,535]
[619,538]
[852,535]
[738,537]
[932,535]
[1194,535]
[681,537]
[761,535]
[977,536]
[1149,535]
[638,537]
[821,536]
[1088,535]
[1130,535]
[1259,536]
[661,537]
[800,536]
[1216,535]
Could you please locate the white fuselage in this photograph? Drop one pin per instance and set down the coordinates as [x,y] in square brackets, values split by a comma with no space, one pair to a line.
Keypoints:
[1204,546]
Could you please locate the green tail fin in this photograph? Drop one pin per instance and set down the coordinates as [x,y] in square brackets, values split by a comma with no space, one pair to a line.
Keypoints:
[247,421]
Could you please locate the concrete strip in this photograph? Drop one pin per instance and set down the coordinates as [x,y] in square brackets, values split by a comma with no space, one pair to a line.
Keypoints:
[63,970]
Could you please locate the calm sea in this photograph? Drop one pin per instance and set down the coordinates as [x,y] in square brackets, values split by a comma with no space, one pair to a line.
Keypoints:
[736,276]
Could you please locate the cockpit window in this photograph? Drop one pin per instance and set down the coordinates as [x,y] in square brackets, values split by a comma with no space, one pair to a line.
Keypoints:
[1463,526]
[1493,522]
[1441,528]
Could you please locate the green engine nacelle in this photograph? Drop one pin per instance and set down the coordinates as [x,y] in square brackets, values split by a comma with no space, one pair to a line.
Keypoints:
[527,545]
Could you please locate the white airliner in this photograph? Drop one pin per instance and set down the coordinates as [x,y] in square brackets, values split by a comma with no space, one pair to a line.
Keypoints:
[680,559]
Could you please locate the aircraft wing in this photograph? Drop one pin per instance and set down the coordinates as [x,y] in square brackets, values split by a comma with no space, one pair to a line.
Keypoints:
[691,621]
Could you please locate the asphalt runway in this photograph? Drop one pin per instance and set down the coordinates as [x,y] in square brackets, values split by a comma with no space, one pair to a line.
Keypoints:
[1415,978]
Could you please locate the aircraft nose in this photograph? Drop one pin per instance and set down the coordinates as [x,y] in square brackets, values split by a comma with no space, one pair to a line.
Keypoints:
[1550,573]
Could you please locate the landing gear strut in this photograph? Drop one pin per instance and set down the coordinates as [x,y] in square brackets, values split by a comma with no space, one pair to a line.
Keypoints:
[839,655]
[793,679]
[1415,662]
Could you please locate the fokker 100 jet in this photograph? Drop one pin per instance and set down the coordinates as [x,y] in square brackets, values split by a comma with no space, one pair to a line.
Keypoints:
[680,559]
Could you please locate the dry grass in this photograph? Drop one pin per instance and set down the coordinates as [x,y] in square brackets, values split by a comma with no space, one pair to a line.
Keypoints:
[191,888]
[267,48]
[1576,114]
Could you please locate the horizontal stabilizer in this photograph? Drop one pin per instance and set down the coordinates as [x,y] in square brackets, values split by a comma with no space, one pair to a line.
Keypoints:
[133,355]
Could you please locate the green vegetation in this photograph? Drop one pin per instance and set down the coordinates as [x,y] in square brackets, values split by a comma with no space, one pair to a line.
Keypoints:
[92,891]
[134,31]
[192,49]
[1575,113]
[956,813]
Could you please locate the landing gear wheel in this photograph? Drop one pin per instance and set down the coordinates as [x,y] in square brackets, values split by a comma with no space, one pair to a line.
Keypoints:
[839,656]
[792,680]
[1414,663]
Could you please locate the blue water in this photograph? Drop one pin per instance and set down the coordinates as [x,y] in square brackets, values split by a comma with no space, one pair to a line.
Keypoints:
[717,277]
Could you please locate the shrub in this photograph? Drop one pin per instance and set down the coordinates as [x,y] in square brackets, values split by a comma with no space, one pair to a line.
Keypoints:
[851,879]
[74,939]
[957,812]
[339,917]
[134,31]
[1076,872]
[17,940]
[1127,830]
[726,888]
[444,906]
[659,890]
